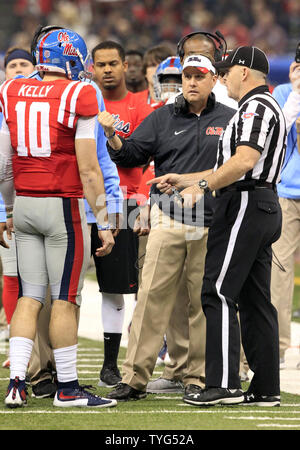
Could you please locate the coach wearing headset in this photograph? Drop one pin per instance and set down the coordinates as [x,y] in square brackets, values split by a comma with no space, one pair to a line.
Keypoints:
[181,136]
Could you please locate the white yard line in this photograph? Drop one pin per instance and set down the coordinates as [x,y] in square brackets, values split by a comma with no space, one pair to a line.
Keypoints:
[261,418]
[277,425]
[118,411]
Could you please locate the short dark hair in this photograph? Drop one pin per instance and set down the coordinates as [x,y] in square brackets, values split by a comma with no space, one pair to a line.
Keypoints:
[108,45]
[155,55]
[134,52]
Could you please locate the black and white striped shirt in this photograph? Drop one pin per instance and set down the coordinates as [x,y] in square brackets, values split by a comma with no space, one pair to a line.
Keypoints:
[258,123]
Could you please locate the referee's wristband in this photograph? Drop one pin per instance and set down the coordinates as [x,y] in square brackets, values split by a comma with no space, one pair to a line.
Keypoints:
[110,137]
[103,227]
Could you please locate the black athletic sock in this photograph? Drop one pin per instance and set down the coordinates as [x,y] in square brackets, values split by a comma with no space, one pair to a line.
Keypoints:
[68,385]
[111,349]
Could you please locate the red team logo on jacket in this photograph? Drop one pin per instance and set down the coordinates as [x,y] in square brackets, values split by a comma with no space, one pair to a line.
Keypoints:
[214,131]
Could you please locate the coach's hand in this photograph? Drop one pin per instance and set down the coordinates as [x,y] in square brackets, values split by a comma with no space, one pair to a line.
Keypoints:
[190,196]
[108,242]
[166,183]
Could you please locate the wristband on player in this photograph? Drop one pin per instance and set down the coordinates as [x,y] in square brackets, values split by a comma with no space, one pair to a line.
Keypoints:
[9,216]
[110,137]
[103,227]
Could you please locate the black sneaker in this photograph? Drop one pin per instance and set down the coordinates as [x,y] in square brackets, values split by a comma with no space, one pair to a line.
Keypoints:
[109,377]
[44,389]
[213,396]
[124,393]
[261,400]
[192,389]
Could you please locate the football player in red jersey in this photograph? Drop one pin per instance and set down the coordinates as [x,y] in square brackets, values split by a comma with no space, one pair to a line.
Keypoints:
[152,58]
[135,77]
[17,61]
[117,273]
[48,154]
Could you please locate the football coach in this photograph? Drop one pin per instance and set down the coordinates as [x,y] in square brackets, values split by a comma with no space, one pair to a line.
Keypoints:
[247,220]
[179,137]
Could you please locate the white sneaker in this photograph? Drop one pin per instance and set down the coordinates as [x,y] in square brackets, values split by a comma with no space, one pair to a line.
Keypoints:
[164,386]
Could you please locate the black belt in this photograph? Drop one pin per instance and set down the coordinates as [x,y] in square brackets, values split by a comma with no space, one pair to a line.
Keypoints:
[248,185]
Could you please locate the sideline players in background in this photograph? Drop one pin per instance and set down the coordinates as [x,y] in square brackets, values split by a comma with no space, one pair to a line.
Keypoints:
[283,262]
[152,58]
[117,273]
[135,77]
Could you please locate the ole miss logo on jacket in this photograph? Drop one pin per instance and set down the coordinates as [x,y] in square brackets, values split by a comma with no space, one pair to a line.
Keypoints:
[214,131]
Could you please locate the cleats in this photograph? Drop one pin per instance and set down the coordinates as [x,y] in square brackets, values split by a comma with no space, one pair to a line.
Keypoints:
[261,400]
[123,393]
[109,377]
[214,396]
[80,397]
[16,394]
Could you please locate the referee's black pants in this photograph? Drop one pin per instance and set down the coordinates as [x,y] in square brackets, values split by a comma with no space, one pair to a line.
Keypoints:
[237,275]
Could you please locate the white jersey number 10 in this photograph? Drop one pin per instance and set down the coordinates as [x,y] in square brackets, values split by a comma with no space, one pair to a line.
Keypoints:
[38,129]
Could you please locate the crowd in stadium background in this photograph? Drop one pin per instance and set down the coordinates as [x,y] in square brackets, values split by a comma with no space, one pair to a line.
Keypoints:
[272,25]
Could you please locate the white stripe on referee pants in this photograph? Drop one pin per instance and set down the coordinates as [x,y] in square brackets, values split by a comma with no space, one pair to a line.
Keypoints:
[225,311]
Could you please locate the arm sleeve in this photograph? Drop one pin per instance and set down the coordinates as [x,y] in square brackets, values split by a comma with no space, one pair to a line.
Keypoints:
[5,153]
[114,195]
[6,173]
[85,128]
[289,101]
[139,147]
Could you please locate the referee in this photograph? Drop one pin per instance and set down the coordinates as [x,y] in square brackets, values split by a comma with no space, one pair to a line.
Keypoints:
[246,222]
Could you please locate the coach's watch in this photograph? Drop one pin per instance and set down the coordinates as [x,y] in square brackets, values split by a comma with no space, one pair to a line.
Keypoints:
[204,186]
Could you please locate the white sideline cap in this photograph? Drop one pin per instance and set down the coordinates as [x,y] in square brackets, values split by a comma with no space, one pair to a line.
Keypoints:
[200,62]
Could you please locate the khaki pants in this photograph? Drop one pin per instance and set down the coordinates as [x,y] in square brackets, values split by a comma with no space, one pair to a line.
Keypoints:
[178,337]
[282,282]
[169,250]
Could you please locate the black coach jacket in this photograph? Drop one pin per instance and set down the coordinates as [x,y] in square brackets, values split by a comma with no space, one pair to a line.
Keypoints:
[179,142]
